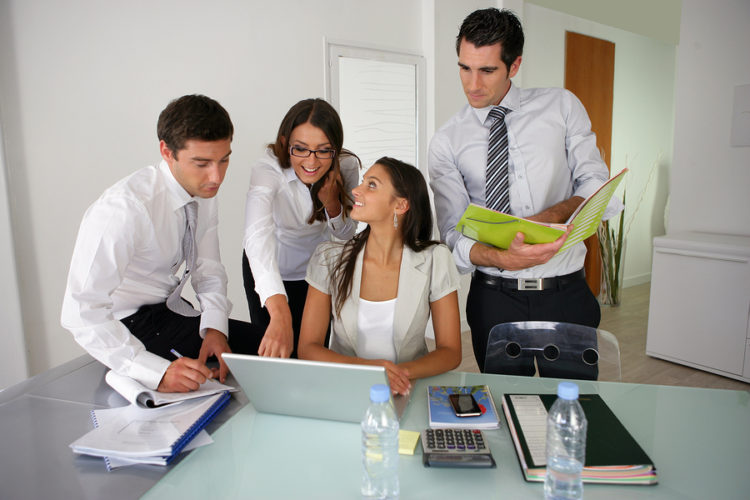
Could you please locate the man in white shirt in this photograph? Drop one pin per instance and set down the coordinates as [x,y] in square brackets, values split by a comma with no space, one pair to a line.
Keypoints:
[553,164]
[130,245]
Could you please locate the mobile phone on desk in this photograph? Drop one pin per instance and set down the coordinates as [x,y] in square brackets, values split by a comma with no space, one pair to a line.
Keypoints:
[464,405]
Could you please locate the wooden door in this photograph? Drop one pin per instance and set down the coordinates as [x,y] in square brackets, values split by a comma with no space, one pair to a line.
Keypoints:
[590,75]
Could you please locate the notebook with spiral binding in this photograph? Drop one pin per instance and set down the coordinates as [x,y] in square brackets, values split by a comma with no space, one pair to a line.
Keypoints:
[153,436]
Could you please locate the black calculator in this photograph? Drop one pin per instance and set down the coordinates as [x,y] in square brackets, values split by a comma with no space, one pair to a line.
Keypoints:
[455,448]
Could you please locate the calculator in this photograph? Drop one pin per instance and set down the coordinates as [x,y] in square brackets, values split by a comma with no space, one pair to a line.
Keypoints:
[455,448]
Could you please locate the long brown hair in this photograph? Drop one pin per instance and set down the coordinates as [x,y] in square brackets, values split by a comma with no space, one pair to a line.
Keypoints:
[415,225]
[322,115]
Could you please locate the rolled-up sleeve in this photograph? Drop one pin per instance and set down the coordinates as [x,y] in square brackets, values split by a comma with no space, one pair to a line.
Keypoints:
[103,250]
[260,239]
[588,169]
[451,200]
[210,278]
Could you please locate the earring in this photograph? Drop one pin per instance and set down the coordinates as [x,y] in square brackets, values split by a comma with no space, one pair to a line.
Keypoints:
[395,221]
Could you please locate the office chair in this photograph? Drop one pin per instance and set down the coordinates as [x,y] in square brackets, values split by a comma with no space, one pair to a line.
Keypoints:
[560,350]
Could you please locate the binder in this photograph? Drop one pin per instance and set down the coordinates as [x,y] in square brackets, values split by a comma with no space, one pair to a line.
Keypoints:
[155,436]
[612,454]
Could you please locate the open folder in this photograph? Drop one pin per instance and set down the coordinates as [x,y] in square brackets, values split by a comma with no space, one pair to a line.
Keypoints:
[151,435]
[498,229]
[140,395]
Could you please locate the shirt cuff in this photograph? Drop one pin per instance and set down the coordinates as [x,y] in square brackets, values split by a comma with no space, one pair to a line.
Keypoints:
[462,254]
[148,369]
[335,222]
[215,319]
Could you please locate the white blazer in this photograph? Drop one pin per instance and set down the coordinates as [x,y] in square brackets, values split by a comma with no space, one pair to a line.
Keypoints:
[424,277]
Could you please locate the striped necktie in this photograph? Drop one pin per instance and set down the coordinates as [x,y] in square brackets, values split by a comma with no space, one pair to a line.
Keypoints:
[174,301]
[497,193]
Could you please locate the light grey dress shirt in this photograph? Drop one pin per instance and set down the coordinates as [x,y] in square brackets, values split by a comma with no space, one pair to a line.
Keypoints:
[552,157]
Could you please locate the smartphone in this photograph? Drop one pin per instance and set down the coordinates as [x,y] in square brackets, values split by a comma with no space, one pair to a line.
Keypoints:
[464,405]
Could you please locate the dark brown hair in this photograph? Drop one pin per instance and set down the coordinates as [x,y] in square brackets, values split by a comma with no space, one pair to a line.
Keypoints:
[193,117]
[490,26]
[415,225]
[322,115]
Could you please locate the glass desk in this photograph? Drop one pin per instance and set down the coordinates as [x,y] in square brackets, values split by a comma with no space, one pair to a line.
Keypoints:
[699,440]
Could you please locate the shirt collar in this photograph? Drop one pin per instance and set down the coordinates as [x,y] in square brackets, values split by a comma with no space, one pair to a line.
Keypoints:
[512,101]
[289,174]
[178,197]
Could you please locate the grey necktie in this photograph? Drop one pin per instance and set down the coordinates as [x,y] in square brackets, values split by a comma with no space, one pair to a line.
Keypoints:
[497,193]
[174,301]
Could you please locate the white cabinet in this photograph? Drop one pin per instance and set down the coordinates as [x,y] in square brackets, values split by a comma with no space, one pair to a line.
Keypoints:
[699,313]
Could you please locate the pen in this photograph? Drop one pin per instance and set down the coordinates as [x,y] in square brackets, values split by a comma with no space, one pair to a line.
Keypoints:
[178,355]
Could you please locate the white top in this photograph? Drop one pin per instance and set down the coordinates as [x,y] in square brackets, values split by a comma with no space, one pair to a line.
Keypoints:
[278,240]
[128,250]
[375,325]
[552,157]
[424,277]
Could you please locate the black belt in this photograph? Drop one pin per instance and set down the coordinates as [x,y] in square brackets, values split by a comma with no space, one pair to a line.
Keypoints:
[528,284]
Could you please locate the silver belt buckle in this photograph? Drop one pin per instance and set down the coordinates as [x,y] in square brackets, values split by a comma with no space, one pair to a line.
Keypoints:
[525,284]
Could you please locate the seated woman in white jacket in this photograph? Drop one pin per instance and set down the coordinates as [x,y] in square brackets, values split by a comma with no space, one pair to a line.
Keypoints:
[383,284]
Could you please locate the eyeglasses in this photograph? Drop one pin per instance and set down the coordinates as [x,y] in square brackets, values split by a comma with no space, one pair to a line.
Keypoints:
[320,154]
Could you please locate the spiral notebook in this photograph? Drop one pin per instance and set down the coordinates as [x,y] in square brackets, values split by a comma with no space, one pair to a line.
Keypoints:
[154,435]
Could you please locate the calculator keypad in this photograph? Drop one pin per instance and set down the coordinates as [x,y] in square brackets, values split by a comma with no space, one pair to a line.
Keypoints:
[453,441]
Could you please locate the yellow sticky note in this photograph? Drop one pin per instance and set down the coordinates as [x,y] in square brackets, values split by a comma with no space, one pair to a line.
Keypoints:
[407,441]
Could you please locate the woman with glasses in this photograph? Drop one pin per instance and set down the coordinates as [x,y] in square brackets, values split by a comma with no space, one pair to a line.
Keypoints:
[384,283]
[299,196]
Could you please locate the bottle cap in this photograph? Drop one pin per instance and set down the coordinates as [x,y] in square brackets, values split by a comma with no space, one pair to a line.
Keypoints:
[567,390]
[379,393]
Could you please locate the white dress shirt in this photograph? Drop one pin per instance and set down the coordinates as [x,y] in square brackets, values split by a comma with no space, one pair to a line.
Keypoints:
[128,250]
[552,157]
[278,240]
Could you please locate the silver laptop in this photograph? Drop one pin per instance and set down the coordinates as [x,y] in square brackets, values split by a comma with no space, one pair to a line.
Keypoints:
[314,389]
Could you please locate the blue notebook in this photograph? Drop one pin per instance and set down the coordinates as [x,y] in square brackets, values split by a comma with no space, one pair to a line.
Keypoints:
[150,436]
[442,414]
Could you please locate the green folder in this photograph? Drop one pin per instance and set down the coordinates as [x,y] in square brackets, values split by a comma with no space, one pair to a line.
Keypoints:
[498,229]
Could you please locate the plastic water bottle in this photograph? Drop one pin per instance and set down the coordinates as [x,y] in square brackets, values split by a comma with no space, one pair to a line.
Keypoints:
[380,446]
[566,445]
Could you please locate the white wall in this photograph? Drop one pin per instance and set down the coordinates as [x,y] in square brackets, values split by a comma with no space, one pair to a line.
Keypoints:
[710,179]
[84,81]
[642,123]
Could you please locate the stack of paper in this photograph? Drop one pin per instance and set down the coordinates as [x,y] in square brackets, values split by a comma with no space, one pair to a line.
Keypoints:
[133,434]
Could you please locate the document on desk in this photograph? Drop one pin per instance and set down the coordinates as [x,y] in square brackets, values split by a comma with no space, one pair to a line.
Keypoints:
[138,394]
[135,433]
[109,416]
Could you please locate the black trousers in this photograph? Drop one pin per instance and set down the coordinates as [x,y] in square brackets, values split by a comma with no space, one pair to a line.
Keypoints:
[161,330]
[296,292]
[487,306]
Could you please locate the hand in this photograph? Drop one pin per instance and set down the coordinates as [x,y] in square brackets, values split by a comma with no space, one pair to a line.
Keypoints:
[522,256]
[214,343]
[398,377]
[278,341]
[184,375]
[329,193]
